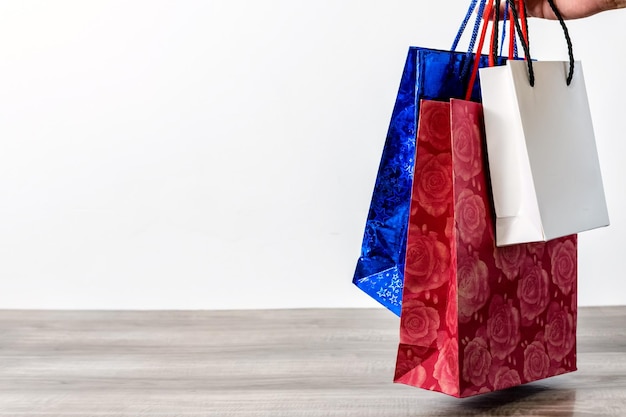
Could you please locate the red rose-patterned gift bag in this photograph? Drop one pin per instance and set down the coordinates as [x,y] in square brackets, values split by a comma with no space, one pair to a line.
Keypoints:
[476,318]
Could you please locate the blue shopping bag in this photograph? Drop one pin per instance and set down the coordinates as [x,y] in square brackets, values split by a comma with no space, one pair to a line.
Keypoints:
[431,75]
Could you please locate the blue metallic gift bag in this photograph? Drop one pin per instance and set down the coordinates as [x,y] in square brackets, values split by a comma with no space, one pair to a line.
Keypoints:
[431,75]
[428,74]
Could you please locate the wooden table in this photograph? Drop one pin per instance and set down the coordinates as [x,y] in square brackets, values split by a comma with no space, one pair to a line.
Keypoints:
[274,363]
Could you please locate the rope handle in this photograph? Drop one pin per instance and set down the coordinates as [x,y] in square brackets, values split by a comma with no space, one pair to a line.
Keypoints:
[518,21]
[523,34]
[475,30]
[466,19]
[491,15]
[523,37]
[512,43]
[570,50]
[521,6]
[508,16]
[493,55]
[488,15]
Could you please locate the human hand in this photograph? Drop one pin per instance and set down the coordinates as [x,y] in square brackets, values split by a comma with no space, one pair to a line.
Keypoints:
[570,9]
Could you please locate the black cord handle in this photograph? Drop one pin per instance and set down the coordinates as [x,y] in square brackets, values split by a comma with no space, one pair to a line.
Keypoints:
[529,61]
[570,51]
[494,44]
[526,46]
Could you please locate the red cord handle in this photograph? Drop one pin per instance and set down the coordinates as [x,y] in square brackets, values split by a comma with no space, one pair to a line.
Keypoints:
[488,17]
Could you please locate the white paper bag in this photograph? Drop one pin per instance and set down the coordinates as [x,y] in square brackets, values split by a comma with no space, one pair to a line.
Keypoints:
[544,167]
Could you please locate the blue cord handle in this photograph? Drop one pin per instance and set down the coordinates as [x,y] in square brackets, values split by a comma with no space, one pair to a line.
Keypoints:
[472,43]
[504,22]
[470,10]
[479,19]
[468,15]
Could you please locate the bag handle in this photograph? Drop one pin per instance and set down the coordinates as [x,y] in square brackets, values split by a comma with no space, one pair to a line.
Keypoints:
[515,10]
[512,41]
[494,34]
[521,5]
[466,19]
[492,11]
[525,42]
[468,15]
[508,17]
[481,10]
[570,51]
[487,16]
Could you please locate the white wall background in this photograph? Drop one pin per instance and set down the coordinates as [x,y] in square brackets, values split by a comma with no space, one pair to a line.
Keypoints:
[221,153]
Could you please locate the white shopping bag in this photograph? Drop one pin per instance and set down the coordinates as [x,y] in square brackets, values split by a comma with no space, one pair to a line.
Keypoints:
[543,162]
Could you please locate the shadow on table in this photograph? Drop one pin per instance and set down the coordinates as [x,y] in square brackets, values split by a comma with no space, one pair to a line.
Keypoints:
[534,400]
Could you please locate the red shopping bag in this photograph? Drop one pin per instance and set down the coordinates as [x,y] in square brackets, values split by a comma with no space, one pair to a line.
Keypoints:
[476,318]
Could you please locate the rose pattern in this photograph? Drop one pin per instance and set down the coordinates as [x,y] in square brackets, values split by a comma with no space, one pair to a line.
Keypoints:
[473,284]
[449,228]
[418,323]
[504,377]
[503,327]
[417,376]
[446,370]
[536,362]
[436,126]
[409,358]
[501,316]
[536,248]
[452,317]
[434,183]
[559,334]
[563,256]
[471,218]
[476,362]
[467,142]
[474,391]
[532,290]
[427,263]
[508,259]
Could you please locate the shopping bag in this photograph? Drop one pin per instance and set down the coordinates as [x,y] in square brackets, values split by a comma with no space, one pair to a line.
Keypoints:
[542,153]
[428,74]
[475,317]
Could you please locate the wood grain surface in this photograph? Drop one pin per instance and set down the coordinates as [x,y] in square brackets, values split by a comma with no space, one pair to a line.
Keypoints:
[274,363]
